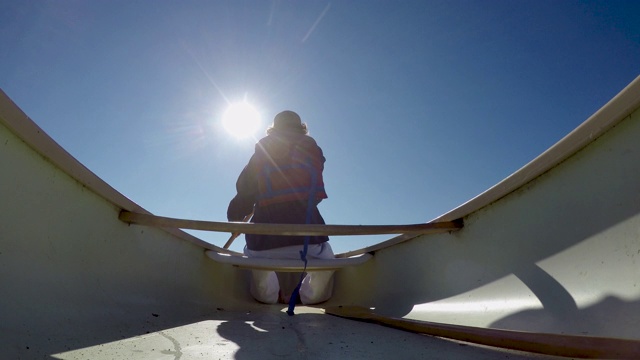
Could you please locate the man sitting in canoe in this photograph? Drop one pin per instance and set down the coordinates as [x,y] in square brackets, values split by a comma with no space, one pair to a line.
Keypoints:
[282,184]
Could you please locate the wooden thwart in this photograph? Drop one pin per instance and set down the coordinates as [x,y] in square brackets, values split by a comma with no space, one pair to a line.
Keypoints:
[287,265]
[289,229]
[542,343]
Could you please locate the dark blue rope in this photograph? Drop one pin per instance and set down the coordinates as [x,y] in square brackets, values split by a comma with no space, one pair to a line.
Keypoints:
[303,253]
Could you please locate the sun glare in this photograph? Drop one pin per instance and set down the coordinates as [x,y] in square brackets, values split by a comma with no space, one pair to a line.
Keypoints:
[241,120]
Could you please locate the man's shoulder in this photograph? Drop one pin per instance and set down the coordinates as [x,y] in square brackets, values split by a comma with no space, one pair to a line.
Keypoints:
[308,140]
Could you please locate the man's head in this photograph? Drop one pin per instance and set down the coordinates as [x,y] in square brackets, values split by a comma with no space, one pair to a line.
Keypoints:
[288,121]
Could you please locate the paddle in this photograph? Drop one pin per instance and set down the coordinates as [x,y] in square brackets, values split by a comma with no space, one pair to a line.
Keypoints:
[235,235]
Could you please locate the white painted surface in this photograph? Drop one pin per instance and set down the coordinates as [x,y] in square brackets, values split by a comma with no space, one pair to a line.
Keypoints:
[274,335]
[554,249]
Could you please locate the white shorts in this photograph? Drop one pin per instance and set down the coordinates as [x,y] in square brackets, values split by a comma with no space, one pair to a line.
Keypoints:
[317,286]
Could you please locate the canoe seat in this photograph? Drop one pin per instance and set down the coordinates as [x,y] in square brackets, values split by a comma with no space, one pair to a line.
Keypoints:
[287,265]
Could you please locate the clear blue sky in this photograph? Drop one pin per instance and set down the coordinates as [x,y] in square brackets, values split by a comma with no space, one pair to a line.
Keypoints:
[418,105]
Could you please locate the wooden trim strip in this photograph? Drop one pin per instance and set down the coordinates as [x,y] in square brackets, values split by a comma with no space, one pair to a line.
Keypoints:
[551,344]
[288,229]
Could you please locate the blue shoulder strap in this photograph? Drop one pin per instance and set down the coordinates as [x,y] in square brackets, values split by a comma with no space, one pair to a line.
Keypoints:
[311,202]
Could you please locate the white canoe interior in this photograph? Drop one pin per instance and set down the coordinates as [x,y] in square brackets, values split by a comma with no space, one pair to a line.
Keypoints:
[547,263]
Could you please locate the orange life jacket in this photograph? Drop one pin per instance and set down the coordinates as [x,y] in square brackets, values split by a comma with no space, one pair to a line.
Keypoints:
[289,168]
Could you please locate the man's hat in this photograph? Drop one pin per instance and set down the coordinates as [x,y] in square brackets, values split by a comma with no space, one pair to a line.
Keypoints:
[287,119]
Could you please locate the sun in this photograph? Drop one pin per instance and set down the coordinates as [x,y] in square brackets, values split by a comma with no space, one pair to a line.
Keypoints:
[241,120]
